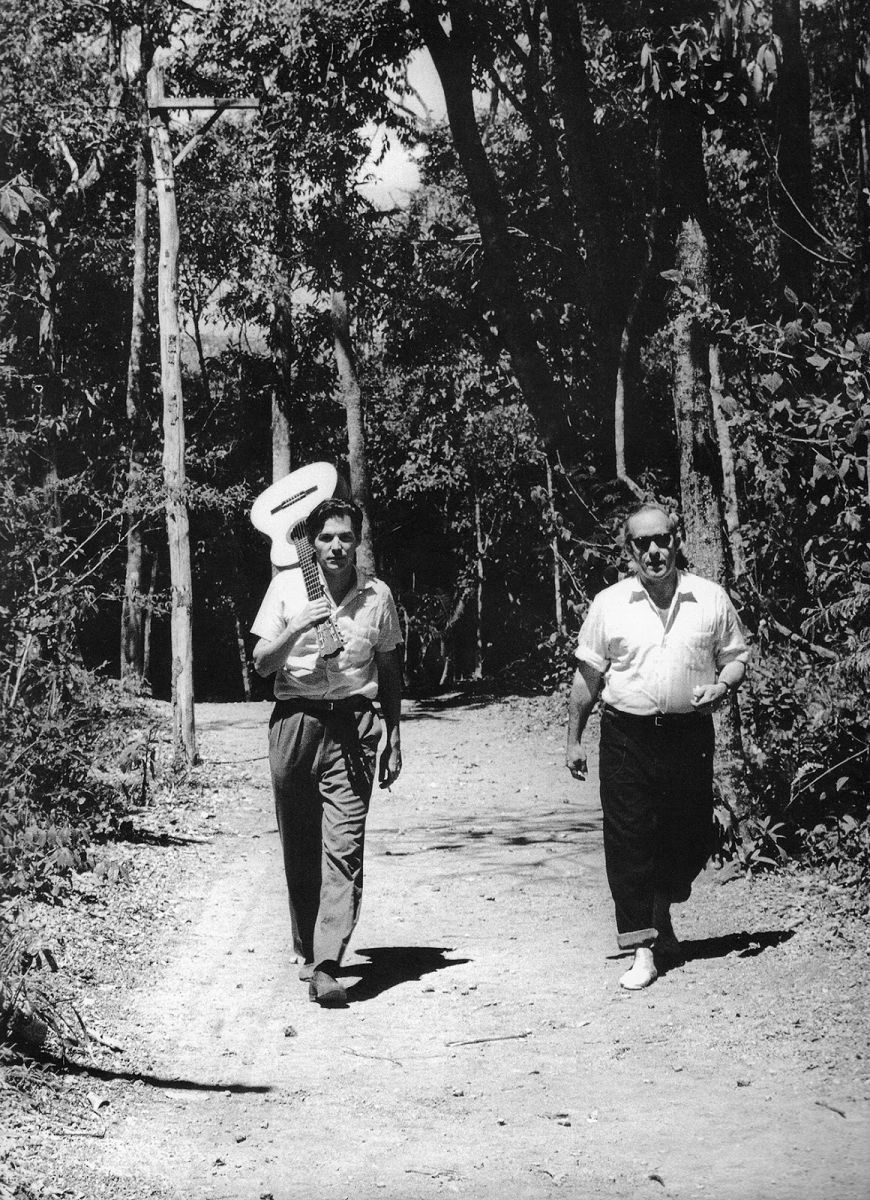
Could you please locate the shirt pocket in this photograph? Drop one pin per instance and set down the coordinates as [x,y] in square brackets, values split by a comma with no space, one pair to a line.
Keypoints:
[359,644]
[699,651]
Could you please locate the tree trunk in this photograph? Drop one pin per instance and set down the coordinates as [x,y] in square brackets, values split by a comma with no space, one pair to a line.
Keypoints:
[148,623]
[546,398]
[557,558]
[729,476]
[242,648]
[586,176]
[793,153]
[351,394]
[859,54]
[699,465]
[281,344]
[177,523]
[132,649]
[204,386]
[480,554]
[281,454]
[683,193]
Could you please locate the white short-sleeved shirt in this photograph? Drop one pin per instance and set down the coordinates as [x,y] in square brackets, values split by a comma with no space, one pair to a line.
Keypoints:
[367,621]
[651,666]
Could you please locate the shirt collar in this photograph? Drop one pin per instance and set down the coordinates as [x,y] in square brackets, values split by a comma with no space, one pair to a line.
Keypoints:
[363,582]
[683,589]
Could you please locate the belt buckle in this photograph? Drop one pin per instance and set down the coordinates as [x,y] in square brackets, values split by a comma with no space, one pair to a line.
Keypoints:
[659,720]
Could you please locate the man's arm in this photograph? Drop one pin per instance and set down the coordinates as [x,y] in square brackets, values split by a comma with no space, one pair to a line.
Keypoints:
[584,692]
[269,655]
[389,664]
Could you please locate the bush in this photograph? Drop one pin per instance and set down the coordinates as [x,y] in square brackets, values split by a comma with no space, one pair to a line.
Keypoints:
[73,756]
[808,764]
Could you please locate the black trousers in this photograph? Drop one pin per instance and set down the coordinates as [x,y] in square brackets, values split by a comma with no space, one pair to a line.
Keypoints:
[657,799]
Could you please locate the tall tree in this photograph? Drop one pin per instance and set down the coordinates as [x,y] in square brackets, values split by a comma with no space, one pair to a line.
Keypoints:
[797,235]
[453,55]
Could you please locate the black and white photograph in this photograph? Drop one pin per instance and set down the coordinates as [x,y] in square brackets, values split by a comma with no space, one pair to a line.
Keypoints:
[435,599]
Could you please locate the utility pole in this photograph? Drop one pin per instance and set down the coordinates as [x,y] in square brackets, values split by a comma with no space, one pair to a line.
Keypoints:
[174,473]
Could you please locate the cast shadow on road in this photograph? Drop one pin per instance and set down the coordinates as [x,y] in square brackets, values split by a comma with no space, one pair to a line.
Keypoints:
[744,945]
[388,966]
[167,1083]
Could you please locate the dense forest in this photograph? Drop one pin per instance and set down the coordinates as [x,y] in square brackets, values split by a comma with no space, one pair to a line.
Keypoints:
[634,261]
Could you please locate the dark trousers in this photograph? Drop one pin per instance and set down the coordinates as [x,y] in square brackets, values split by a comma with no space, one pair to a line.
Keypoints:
[657,801]
[323,767]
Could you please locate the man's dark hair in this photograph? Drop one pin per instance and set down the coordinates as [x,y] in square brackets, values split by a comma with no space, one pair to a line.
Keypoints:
[334,507]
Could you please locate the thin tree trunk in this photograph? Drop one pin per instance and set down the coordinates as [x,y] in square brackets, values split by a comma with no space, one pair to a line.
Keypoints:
[177,522]
[794,153]
[480,547]
[148,624]
[627,349]
[557,558]
[729,475]
[859,55]
[699,460]
[281,455]
[546,397]
[351,395]
[132,661]
[204,386]
[242,648]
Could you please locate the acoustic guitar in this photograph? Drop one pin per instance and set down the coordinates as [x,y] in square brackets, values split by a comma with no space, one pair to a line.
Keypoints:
[280,513]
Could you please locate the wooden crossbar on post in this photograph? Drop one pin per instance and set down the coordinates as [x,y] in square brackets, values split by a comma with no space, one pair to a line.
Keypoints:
[166,103]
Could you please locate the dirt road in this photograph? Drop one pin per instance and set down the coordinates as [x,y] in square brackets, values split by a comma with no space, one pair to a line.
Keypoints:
[487,1050]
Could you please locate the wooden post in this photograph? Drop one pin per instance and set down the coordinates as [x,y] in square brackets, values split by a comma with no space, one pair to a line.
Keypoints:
[177,523]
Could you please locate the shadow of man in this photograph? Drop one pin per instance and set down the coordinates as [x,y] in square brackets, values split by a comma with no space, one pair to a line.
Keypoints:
[389,966]
[743,944]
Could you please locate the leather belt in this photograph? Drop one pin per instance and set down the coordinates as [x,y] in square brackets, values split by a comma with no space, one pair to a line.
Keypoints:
[657,720]
[318,707]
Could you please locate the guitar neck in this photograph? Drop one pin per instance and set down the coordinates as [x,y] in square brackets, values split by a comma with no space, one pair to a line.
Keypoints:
[310,574]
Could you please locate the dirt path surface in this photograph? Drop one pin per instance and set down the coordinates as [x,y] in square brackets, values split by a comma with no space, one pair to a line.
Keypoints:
[487,1050]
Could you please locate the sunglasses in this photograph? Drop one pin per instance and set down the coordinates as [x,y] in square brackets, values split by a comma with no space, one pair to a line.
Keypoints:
[664,541]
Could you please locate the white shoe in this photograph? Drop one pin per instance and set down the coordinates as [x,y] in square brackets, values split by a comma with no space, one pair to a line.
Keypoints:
[642,971]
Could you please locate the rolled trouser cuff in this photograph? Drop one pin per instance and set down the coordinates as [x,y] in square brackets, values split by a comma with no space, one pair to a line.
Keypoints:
[637,937]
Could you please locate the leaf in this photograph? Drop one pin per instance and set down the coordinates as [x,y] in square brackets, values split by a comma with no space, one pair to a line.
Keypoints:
[791,296]
[818,361]
[671,276]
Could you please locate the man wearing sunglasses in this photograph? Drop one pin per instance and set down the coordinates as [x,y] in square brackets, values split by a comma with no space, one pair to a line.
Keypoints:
[666,648]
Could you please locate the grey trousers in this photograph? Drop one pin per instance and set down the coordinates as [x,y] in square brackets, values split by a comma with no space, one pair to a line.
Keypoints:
[323,767]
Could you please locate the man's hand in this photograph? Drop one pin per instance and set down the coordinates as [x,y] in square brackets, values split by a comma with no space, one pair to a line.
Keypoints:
[389,764]
[314,613]
[708,696]
[575,761]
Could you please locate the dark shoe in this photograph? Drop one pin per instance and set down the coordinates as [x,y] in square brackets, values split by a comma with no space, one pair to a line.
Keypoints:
[666,945]
[306,972]
[326,991]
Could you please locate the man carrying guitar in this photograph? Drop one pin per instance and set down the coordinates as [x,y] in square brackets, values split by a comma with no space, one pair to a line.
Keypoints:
[324,733]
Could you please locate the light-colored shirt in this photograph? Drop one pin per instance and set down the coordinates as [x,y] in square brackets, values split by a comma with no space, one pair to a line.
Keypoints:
[650,664]
[366,619]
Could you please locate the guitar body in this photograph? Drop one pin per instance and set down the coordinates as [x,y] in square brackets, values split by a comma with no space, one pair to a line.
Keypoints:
[280,512]
[287,503]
